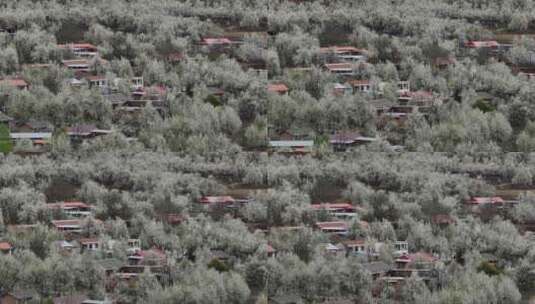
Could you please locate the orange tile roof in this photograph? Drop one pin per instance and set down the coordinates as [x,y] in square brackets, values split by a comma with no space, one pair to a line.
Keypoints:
[5,246]
[15,82]
[277,88]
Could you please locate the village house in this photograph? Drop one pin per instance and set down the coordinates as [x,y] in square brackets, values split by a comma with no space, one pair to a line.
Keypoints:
[80,49]
[217,200]
[31,126]
[419,260]
[485,44]
[81,132]
[332,250]
[494,200]
[291,146]
[80,65]
[360,86]
[442,220]
[6,248]
[341,141]
[87,245]
[278,88]
[343,69]
[443,62]
[174,57]
[15,297]
[335,227]
[73,226]
[338,210]
[357,247]
[342,89]
[65,247]
[16,82]
[419,98]
[216,45]
[37,138]
[150,257]
[343,53]
[74,209]
[97,81]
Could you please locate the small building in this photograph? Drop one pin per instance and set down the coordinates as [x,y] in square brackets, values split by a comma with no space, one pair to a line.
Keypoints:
[15,297]
[150,257]
[80,65]
[6,248]
[80,132]
[341,211]
[342,89]
[344,69]
[331,249]
[343,140]
[485,44]
[64,247]
[336,227]
[357,247]
[37,138]
[278,88]
[97,81]
[217,200]
[216,42]
[80,49]
[18,83]
[419,260]
[89,244]
[360,86]
[75,209]
[442,220]
[291,146]
[344,53]
[401,248]
[476,200]
[74,226]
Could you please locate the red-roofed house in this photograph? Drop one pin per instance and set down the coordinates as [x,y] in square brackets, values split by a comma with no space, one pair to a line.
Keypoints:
[347,53]
[416,260]
[80,49]
[152,256]
[99,81]
[334,207]
[363,86]
[356,247]
[18,83]
[216,41]
[6,248]
[279,88]
[89,244]
[489,44]
[345,68]
[217,200]
[338,227]
[67,225]
[495,200]
[442,220]
[76,209]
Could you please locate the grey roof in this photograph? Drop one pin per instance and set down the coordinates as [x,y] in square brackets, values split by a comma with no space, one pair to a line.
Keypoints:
[291,143]
[376,267]
[43,135]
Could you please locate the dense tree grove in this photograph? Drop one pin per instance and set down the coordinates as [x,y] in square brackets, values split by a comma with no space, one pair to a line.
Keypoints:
[453,178]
